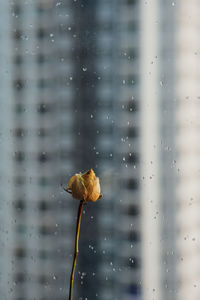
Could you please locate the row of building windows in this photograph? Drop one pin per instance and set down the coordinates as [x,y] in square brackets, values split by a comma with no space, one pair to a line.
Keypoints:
[66,154]
[42,58]
[41,108]
[42,180]
[22,277]
[130,132]
[43,205]
[130,184]
[21,253]
[20,84]
[43,33]
[44,229]
[132,210]
[41,132]
[42,157]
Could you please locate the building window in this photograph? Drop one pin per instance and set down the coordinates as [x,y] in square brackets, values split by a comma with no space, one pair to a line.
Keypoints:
[19,132]
[132,158]
[18,60]
[43,205]
[42,132]
[43,108]
[18,84]
[41,58]
[133,210]
[134,236]
[21,229]
[132,106]
[132,132]
[20,277]
[19,205]
[134,289]
[43,254]
[41,33]
[131,184]
[43,83]
[19,156]
[19,180]
[16,9]
[46,229]
[19,108]
[131,2]
[20,252]
[17,34]
[44,181]
[132,262]
[43,157]
[43,279]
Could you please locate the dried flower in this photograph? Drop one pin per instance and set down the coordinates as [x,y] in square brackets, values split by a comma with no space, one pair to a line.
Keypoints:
[84,186]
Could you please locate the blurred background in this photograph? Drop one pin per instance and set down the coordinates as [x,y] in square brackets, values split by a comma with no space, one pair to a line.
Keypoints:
[111,85]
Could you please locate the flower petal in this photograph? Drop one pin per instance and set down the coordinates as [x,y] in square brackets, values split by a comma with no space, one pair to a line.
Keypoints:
[92,185]
[71,181]
[79,190]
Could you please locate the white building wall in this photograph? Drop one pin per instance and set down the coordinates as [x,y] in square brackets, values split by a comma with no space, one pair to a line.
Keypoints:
[188,149]
[150,151]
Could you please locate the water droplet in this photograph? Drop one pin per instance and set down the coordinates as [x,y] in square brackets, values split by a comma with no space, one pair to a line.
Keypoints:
[84,69]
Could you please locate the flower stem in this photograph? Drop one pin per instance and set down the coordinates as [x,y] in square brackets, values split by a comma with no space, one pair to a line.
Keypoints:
[78,223]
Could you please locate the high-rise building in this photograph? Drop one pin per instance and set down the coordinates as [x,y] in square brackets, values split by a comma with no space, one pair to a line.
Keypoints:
[128,193]
[36,107]
[67,110]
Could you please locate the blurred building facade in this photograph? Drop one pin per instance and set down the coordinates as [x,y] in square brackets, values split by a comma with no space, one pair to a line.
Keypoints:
[40,142]
[59,105]
[63,110]
[92,84]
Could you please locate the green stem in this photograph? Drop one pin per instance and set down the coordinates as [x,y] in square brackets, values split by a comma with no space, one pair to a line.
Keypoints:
[78,223]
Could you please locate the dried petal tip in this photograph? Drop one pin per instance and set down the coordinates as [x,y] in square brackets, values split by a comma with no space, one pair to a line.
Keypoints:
[84,187]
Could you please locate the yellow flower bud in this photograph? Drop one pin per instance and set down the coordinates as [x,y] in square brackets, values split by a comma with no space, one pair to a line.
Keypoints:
[84,186]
